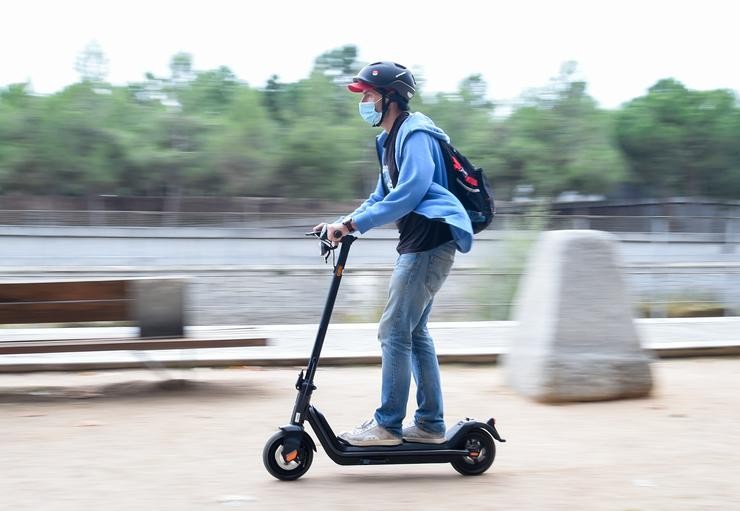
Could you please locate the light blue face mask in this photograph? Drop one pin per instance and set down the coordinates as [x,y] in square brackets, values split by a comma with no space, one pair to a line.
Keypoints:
[367,111]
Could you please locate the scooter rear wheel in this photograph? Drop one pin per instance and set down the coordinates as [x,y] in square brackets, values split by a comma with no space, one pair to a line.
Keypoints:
[277,466]
[481,452]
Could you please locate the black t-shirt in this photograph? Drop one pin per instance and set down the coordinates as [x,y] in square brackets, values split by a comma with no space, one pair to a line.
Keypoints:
[416,232]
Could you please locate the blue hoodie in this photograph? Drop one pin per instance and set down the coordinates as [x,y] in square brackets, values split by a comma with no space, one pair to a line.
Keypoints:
[421,186]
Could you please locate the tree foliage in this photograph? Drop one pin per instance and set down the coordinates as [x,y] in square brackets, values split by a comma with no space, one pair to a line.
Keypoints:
[682,142]
[208,133]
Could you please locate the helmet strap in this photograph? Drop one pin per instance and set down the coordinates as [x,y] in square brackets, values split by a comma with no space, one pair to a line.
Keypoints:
[385,103]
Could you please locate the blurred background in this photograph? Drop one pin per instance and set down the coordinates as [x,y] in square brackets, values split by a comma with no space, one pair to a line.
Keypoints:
[205,140]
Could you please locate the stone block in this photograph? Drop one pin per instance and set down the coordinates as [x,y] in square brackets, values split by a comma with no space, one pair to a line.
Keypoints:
[576,339]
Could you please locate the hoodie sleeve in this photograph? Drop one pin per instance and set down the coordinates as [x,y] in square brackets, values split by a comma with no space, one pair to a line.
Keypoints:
[414,179]
[374,197]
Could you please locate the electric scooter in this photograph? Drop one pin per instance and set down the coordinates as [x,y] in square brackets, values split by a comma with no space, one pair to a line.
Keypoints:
[288,454]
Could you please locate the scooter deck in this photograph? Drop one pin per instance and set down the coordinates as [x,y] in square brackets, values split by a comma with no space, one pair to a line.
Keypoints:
[407,452]
[405,446]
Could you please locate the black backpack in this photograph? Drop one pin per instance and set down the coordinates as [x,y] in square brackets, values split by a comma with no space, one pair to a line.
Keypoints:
[470,186]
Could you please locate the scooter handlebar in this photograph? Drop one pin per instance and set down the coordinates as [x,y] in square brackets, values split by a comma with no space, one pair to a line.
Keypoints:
[322,234]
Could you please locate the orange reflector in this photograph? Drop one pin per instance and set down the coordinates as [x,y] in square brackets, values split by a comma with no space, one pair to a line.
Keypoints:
[291,455]
[474,454]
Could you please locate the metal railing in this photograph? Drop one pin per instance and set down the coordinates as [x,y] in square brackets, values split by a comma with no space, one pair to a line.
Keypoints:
[726,226]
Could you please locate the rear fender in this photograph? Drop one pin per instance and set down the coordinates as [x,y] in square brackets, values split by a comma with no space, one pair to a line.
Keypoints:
[463,427]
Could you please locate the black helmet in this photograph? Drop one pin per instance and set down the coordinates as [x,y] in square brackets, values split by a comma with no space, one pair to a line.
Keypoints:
[385,76]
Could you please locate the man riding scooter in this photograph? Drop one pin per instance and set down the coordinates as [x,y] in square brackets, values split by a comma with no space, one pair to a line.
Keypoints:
[433,225]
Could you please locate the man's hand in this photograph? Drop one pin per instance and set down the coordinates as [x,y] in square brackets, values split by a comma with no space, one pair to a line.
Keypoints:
[330,230]
[333,228]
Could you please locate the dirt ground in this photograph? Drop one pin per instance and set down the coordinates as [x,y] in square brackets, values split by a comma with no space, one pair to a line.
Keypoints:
[193,440]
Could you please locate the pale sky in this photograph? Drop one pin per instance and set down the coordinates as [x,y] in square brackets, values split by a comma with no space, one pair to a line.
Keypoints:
[622,46]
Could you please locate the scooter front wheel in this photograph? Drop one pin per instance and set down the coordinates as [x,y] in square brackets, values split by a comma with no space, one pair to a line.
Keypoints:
[286,466]
[481,452]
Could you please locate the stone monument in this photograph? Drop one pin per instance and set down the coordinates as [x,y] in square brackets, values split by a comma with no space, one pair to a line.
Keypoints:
[576,339]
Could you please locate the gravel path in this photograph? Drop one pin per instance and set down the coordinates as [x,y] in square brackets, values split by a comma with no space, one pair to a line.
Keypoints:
[127,440]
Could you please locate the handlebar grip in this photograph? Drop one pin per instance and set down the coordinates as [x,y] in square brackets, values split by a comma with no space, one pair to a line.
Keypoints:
[337,234]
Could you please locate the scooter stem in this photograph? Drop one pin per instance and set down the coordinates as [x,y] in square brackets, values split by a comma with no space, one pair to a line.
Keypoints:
[329,307]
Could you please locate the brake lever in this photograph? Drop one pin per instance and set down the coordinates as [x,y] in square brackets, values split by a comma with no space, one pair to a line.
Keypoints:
[326,246]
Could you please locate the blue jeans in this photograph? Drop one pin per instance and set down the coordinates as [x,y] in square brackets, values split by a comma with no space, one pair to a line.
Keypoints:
[405,341]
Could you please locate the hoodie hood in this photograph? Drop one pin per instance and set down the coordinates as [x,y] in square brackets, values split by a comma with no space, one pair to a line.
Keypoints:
[415,122]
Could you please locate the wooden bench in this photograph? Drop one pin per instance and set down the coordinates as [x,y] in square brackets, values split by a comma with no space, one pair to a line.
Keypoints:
[155,305]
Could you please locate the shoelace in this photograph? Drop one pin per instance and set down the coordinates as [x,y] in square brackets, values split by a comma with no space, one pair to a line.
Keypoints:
[364,426]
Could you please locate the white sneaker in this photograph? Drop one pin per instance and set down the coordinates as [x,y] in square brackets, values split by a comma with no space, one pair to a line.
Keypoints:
[414,433]
[370,433]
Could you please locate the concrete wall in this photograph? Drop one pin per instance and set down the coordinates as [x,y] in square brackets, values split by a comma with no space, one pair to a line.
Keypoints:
[243,276]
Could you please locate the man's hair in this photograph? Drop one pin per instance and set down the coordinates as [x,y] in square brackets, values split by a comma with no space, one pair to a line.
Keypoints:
[395,97]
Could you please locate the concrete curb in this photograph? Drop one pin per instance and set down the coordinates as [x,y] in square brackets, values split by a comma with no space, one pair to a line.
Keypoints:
[290,345]
[348,360]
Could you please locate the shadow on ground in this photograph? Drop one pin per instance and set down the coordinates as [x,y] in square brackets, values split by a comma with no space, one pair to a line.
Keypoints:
[135,389]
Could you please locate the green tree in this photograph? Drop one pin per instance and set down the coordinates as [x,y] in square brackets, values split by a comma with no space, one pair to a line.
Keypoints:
[558,140]
[322,152]
[274,98]
[181,68]
[20,123]
[682,142]
[92,65]
[209,93]
[240,154]
[205,132]
[340,64]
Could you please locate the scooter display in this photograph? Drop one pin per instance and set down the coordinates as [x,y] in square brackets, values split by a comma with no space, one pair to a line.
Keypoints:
[287,455]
